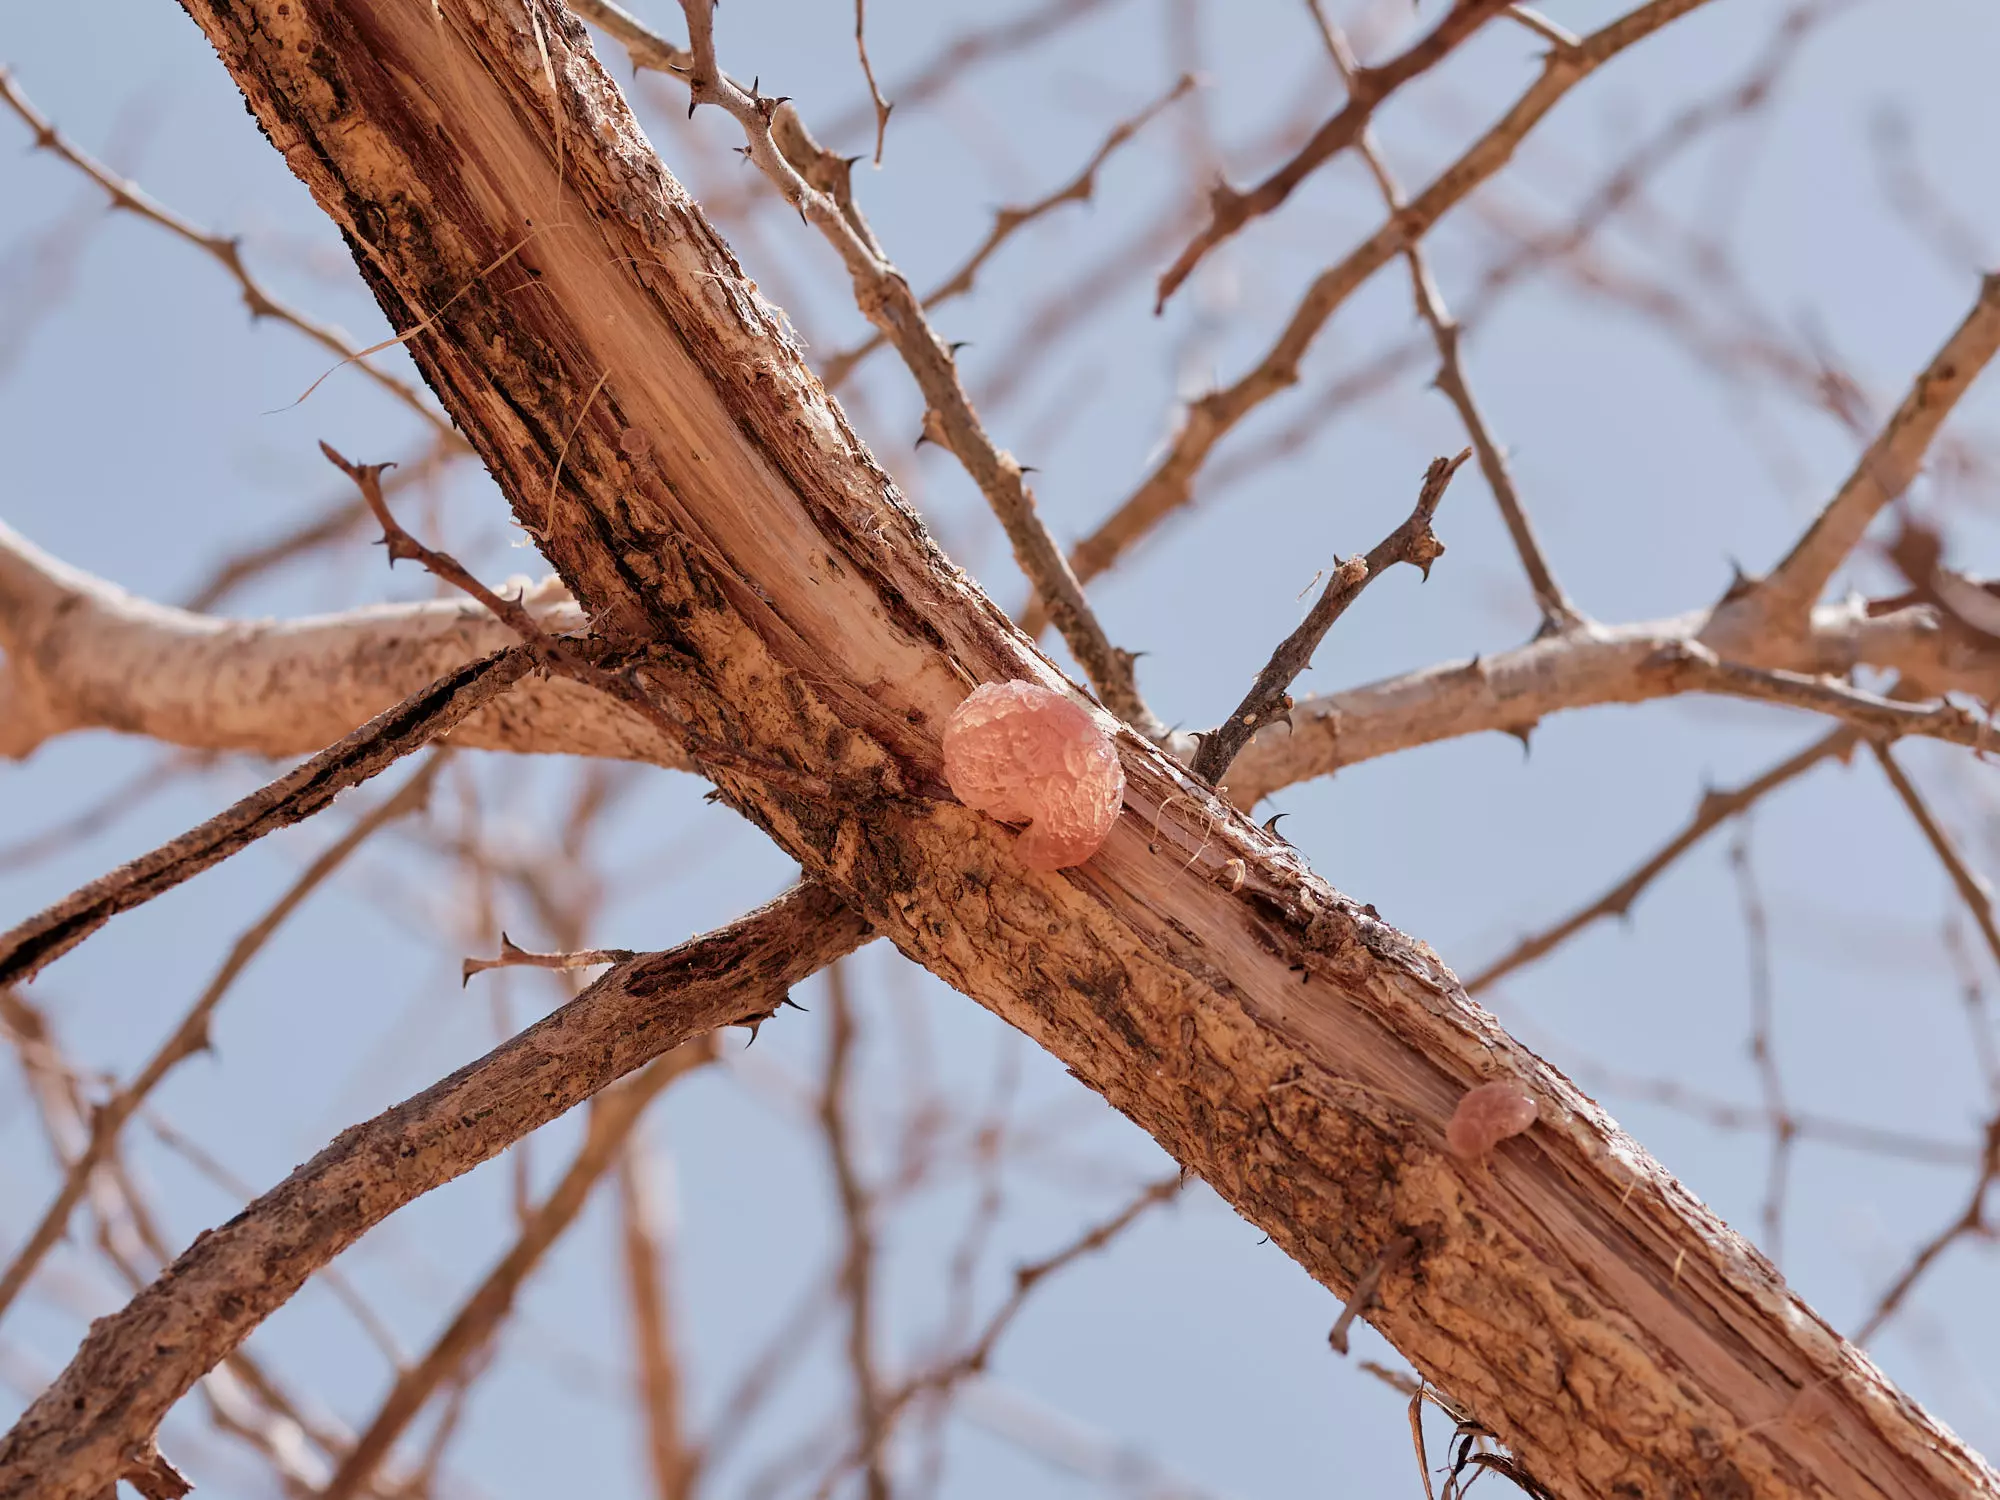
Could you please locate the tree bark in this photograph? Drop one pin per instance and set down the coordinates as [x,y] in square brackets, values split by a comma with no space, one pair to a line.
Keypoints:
[757,572]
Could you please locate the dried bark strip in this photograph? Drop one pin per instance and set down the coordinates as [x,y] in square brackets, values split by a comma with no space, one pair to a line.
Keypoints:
[135,1364]
[424,716]
[761,575]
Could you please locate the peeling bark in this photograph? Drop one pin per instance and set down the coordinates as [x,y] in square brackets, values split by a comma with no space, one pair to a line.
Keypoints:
[762,577]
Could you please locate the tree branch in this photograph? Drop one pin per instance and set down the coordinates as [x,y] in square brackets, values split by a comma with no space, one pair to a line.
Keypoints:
[1269,697]
[426,715]
[1557,611]
[1781,600]
[226,250]
[135,1364]
[1171,483]
[191,1035]
[759,573]
[1230,210]
[614,1115]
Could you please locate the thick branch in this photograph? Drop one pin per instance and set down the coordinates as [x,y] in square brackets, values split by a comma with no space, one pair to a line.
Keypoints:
[135,1364]
[761,576]
[422,717]
[613,1118]
[84,654]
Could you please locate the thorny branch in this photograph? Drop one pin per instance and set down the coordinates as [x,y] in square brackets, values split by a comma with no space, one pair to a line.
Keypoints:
[1715,808]
[887,301]
[1209,419]
[191,1035]
[1230,210]
[426,715]
[1269,698]
[226,250]
[1558,613]
[1010,221]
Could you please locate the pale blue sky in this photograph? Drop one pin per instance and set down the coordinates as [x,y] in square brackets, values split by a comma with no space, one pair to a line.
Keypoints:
[148,428]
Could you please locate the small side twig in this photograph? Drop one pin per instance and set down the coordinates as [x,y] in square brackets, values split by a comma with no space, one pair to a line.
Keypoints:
[1268,698]
[1393,1255]
[1010,221]
[512,955]
[882,106]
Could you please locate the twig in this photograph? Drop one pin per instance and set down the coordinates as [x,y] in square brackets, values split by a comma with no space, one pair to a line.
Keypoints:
[1782,599]
[192,1034]
[1972,1221]
[613,1117]
[1010,221]
[1269,698]
[857,1268]
[941,1378]
[1230,210]
[1170,485]
[886,299]
[328,524]
[514,956]
[1393,1255]
[1558,613]
[136,1363]
[882,106]
[225,249]
[556,653]
[1972,887]
[1763,1043]
[426,715]
[1715,808]
[1692,664]
[643,1258]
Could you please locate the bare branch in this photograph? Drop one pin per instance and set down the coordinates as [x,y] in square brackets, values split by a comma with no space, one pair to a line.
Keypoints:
[614,1115]
[82,653]
[191,1035]
[1230,210]
[1010,221]
[857,1268]
[225,249]
[1557,611]
[882,106]
[1269,697]
[1715,808]
[1972,887]
[135,1364]
[424,716]
[1781,600]
[887,301]
[514,956]
[1171,483]
[643,1258]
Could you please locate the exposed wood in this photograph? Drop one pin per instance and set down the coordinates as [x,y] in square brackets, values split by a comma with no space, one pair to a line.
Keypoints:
[765,580]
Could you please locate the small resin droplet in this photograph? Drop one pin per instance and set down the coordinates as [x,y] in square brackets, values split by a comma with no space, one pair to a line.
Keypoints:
[1022,754]
[1488,1115]
[634,442]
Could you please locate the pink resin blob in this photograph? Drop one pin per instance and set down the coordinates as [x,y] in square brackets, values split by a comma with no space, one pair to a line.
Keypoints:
[1487,1115]
[1022,754]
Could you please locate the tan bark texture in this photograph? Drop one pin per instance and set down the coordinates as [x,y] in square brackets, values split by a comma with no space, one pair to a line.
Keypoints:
[758,573]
